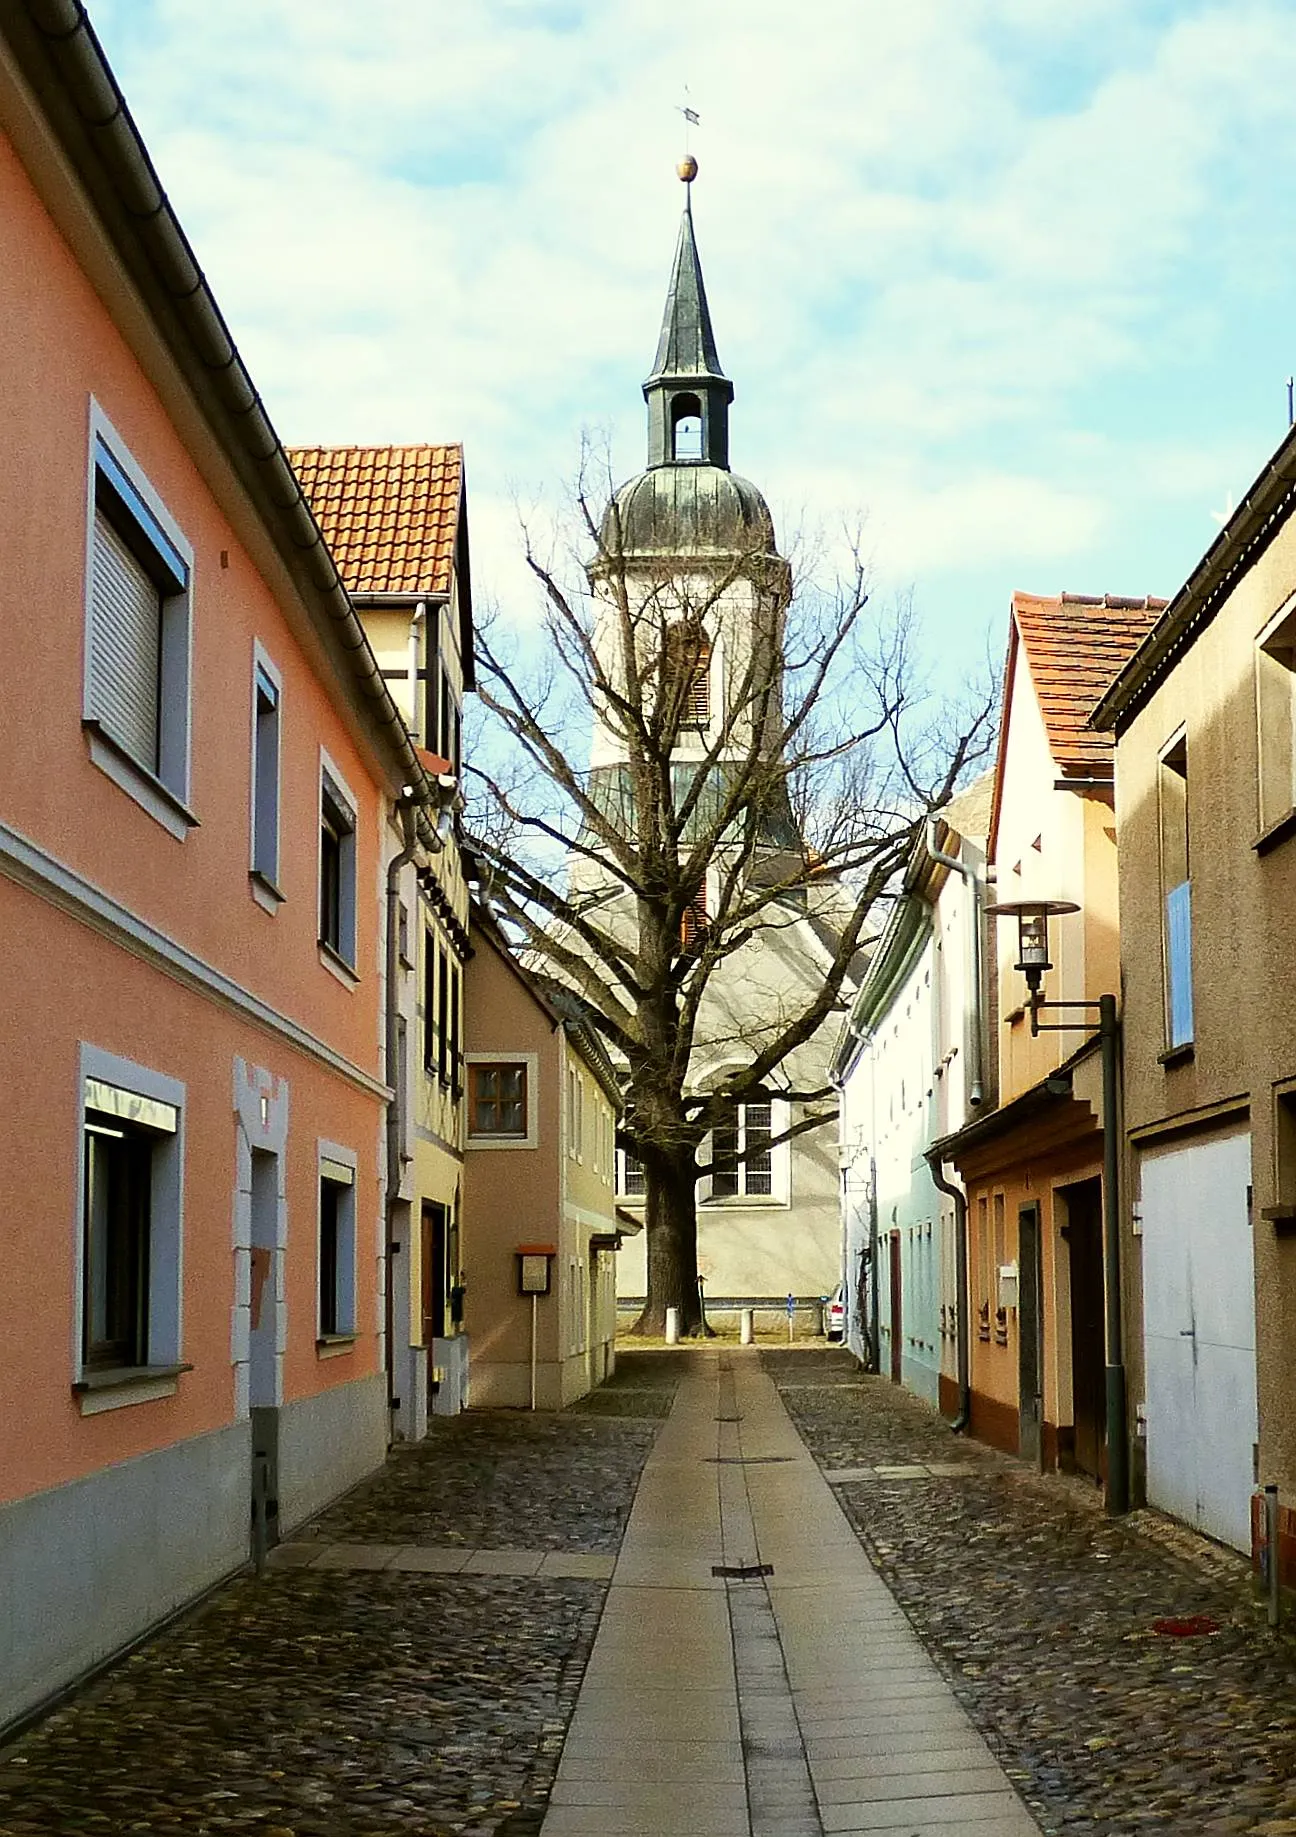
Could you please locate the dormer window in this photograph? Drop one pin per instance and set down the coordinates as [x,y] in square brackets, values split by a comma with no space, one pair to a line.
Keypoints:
[686,427]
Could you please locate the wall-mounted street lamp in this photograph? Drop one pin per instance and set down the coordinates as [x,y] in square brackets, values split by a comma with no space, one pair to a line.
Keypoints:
[1032,916]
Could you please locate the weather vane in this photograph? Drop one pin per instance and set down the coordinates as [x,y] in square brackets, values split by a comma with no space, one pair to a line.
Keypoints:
[687,167]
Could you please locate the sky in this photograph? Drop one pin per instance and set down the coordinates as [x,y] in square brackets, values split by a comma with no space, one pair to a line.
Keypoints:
[1008,284]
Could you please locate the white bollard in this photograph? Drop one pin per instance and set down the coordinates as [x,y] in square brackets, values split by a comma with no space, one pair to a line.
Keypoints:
[672,1326]
[746,1332]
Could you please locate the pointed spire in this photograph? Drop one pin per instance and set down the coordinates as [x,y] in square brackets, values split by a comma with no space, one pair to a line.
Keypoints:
[687,385]
[687,345]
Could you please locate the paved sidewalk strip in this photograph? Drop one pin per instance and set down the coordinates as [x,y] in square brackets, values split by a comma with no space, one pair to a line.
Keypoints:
[421,1559]
[1060,1626]
[798,1704]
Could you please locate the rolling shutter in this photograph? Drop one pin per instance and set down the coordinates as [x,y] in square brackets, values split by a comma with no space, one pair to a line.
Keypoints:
[125,646]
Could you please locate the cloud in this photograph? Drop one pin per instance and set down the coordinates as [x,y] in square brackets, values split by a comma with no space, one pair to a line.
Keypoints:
[962,254]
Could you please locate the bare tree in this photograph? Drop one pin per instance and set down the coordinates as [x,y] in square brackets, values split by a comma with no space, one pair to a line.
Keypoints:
[709,749]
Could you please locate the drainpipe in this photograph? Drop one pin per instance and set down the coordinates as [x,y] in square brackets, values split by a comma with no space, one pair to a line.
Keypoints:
[943,1185]
[419,615]
[414,828]
[416,831]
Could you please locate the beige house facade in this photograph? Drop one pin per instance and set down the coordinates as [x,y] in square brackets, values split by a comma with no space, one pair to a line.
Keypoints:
[1204,717]
[542,1229]
[396,520]
[1032,1167]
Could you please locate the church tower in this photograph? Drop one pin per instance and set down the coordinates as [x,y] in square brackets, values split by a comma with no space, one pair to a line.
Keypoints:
[688,582]
[691,546]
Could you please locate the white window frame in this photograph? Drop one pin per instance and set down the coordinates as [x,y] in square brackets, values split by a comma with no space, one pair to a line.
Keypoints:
[1275,693]
[266,805]
[340,961]
[575,1113]
[780,1163]
[333,1162]
[111,470]
[104,1390]
[623,1156]
[507,1056]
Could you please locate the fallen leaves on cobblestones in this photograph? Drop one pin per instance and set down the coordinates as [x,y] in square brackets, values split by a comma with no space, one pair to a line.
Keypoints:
[1043,1613]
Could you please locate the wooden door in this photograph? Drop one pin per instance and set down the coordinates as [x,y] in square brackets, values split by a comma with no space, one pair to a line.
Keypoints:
[1030,1334]
[433,1276]
[1088,1357]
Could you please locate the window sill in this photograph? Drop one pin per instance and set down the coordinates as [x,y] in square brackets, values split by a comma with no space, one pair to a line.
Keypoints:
[1276,832]
[754,1202]
[118,1387]
[1182,1054]
[501,1141]
[145,787]
[334,1345]
[1282,1218]
[264,891]
[337,965]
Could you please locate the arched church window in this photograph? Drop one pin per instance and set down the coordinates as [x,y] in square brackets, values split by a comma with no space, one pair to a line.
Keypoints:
[686,672]
[686,427]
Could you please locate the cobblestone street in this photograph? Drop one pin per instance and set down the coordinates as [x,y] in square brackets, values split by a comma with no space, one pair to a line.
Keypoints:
[1044,1614]
[354,1702]
[363,1688]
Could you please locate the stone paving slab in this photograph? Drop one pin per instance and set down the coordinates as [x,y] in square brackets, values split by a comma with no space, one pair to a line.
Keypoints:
[1041,1610]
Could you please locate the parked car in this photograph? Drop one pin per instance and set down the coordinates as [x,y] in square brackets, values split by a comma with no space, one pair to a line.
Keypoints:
[835,1314]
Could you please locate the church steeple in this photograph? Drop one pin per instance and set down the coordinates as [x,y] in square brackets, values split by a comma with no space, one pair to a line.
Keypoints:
[688,395]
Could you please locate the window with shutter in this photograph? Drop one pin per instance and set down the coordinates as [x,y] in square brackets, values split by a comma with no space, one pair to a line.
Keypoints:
[137,673]
[125,646]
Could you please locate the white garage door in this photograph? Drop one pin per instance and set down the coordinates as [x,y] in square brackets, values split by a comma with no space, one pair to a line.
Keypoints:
[1199,1334]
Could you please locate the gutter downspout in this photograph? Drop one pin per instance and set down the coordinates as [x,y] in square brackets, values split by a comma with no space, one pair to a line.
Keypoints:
[943,1185]
[976,1096]
[415,830]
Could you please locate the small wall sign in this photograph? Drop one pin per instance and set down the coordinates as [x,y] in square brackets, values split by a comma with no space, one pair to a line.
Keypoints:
[535,1268]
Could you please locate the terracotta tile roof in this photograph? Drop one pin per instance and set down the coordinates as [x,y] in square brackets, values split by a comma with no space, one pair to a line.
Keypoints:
[1075,647]
[390,514]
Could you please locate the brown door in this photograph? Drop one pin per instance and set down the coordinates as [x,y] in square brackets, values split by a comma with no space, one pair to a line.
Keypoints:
[897,1343]
[1030,1326]
[433,1296]
[1084,1243]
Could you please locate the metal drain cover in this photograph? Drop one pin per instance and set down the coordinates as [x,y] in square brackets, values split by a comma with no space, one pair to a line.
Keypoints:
[742,1572]
[746,1460]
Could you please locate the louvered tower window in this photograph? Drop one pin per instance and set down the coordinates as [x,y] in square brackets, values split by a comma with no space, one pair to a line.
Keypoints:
[686,673]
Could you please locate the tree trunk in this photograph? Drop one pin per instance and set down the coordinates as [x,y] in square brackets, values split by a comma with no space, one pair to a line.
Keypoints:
[670,1219]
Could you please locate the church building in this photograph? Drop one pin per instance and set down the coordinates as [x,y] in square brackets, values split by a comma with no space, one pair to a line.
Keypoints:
[688,554]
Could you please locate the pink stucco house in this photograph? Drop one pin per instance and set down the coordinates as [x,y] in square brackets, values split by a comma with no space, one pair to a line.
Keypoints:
[199,762]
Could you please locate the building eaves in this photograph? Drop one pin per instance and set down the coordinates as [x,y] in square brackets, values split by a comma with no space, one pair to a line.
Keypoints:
[60,58]
[1055,1089]
[1243,540]
[906,932]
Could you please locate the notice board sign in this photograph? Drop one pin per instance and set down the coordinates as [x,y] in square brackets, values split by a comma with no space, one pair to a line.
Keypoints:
[535,1268]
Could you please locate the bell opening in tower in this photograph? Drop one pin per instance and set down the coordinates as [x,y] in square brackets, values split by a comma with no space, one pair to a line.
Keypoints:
[686,427]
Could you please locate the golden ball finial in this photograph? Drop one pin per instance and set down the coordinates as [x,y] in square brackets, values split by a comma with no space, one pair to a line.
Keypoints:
[687,168]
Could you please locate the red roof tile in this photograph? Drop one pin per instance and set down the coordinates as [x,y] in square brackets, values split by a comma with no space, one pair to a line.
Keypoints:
[390,514]
[1075,647]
